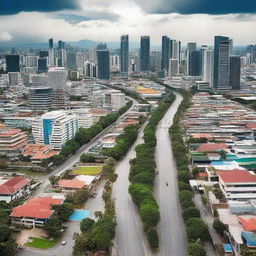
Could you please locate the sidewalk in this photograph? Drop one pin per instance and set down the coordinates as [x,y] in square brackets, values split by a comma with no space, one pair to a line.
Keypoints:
[208,219]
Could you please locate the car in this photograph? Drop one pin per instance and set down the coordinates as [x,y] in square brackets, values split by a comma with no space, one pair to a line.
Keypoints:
[63,242]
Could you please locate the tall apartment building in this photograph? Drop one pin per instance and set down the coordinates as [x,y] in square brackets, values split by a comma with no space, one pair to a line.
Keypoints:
[103,63]
[207,65]
[144,53]
[124,56]
[114,99]
[235,72]
[222,49]
[12,63]
[55,128]
[12,141]
[173,67]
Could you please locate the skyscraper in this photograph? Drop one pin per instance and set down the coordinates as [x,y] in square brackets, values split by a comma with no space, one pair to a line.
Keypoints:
[71,61]
[221,70]
[124,55]
[194,63]
[51,52]
[103,64]
[207,65]
[235,72]
[12,63]
[165,53]
[191,47]
[144,53]
[173,67]
[62,54]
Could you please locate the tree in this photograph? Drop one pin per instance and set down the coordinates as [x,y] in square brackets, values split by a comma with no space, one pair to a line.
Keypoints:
[78,197]
[190,213]
[184,176]
[57,159]
[196,228]
[5,233]
[184,186]
[63,211]
[3,164]
[187,203]
[83,243]
[153,238]
[86,225]
[196,249]
[88,158]
[149,213]
[219,226]
[185,195]
[140,192]
[53,228]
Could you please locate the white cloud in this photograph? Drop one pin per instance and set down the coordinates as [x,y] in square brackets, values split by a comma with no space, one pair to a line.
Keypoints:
[133,21]
[5,36]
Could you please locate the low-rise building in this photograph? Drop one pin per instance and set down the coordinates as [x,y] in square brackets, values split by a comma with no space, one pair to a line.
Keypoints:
[35,212]
[38,153]
[14,188]
[12,141]
[237,185]
[71,185]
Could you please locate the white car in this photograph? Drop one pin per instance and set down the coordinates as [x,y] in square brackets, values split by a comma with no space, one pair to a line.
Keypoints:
[63,242]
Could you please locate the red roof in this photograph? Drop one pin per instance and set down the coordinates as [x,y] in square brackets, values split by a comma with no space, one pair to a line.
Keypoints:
[38,208]
[76,184]
[202,135]
[251,125]
[237,176]
[13,185]
[248,224]
[207,147]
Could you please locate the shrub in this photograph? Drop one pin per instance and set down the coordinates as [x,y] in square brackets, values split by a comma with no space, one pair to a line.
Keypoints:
[187,203]
[196,249]
[184,176]
[196,228]
[152,237]
[185,195]
[219,226]
[190,213]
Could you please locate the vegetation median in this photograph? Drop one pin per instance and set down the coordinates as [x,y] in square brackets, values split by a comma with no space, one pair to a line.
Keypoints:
[142,175]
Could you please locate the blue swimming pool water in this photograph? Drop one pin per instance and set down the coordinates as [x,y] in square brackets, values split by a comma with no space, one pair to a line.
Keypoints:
[79,215]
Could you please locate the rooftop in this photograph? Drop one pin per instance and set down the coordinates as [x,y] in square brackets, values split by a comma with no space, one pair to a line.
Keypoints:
[13,185]
[76,184]
[237,176]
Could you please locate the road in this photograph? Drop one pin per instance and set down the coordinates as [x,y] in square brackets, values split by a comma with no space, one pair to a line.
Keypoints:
[130,238]
[93,204]
[68,164]
[172,236]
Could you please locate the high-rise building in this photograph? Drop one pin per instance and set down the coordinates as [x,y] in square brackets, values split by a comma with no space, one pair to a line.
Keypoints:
[57,77]
[31,61]
[155,60]
[51,52]
[173,67]
[221,70]
[71,61]
[43,54]
[14,78]
[235,72]
[12,63]
[191,47]
[194,63]
[55,128]
[61,54]
[103,64]
[207,65]
[124,56]
[165,53]
[42,65]
[114,99]
[175,49]
[39,80]
[144,53]
[40,98]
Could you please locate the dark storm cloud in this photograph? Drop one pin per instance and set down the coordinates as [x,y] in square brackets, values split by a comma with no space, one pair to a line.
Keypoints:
[199,6]
[8,7]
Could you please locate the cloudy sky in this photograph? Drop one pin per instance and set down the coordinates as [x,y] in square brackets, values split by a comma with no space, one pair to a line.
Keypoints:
[106,20]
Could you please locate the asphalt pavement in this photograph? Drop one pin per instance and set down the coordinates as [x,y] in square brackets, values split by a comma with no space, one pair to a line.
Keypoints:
[172,235]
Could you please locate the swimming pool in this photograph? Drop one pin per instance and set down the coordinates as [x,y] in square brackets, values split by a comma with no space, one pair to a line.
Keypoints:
[79,215]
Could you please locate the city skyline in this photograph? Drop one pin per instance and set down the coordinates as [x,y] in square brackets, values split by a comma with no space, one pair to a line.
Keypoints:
[78,20]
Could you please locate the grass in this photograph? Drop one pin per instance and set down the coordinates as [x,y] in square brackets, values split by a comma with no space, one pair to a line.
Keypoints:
[42,243]
[87,170]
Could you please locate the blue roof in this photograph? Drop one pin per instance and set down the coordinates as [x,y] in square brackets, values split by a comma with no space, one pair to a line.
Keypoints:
[227,247]
[250,238]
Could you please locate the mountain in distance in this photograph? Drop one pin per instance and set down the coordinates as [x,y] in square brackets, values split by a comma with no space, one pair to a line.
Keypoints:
[86,44]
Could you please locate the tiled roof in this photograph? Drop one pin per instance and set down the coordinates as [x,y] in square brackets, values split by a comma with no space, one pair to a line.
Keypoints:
[248,224]
[77,184]
[207,147]
[237,176]
[38,208]
[13,185]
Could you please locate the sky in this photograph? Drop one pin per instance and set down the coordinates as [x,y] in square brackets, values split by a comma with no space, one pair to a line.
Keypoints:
[106,20]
